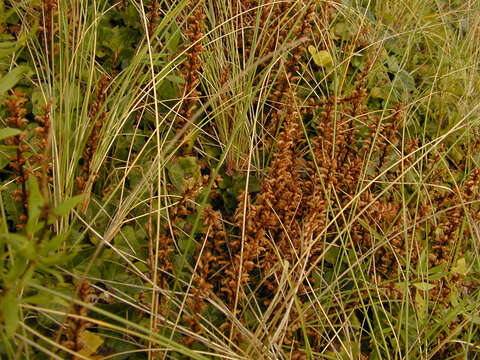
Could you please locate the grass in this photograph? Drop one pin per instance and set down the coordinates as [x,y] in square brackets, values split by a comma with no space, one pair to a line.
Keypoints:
[236,180]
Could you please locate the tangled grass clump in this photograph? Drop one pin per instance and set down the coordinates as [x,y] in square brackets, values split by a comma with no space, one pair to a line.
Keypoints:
[246,179]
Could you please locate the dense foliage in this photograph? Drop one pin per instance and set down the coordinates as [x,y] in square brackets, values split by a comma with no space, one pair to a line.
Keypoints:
[255,179]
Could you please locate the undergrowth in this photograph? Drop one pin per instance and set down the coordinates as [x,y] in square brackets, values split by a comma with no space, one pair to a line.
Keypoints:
[256,179]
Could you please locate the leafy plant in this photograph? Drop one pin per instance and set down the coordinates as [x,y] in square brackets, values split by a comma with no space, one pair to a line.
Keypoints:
[247,179]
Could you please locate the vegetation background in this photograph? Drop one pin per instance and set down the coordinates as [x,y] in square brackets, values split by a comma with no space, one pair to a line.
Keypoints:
[255,179]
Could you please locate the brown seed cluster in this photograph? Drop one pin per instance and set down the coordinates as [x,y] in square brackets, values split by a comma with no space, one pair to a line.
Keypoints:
[120,4]
[153,15]
[31,150]
[76,326]
[98,114]
[193,32]
[48,26]
[288,75]
[16,108]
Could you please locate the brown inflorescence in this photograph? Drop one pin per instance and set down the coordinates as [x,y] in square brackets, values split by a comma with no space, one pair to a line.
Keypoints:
[193,32]
[31,150]
[153,16]
[16,107]
[76,326]
[48,26]
[98,114]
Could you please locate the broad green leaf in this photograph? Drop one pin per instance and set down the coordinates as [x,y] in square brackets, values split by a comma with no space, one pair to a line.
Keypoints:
[10,303]
[437,272]
[423,286]
[173,38]
[461,267]
[38,299]
[6,154]
[91,342]
[422,266]
[54,243]
[331,256]
[142,267]
[131,237]
[117,38]
[400,286]
[176,79]
[12,78]
[392,64]
[320,58]
[188,163]
[167,90]
[37,100]
[35,203]
[342,30]
[17,269]
[67,205]
[130,17]
[473,318]
[404,81]
[454,297]
[20,243]
[457,153]
[382,92]
[58,259]
[8,132]
[421,306]
[7,48]
[176,175]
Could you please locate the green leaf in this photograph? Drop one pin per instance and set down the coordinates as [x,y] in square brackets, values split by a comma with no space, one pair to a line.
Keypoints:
[8,132]
[392,64]
[12,78]
[37,100]
[437,272]
[423,286]
[10,305]
[176,79]
[5,155]
[38,299]
[17,269]
[142,267]
[404,81]
[54,243]
[20,244]
[342,30]
[35,203]
[7,48]
[60,258]
[320,58]
[130,17]
[422,266]
[331,256]
[131,237]
[176,175]
[66,206]
[167,90]
[117,38]
[473,318]
[454,297]
[173,38]
[188,164]
[382,92]
[421,306]
[90,341]
[461,267]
